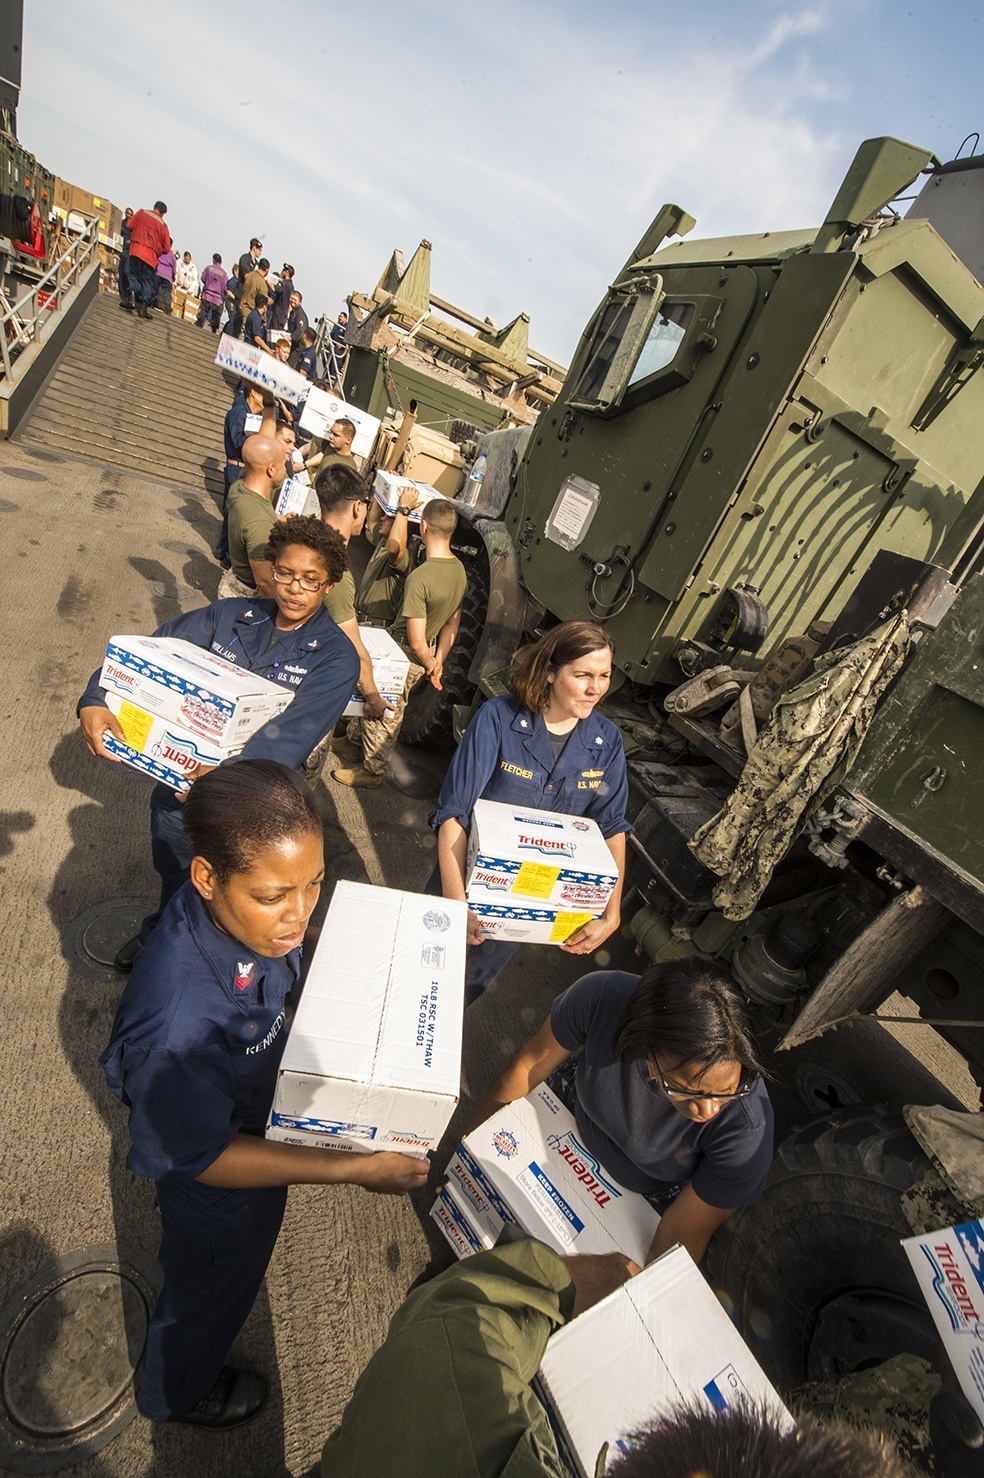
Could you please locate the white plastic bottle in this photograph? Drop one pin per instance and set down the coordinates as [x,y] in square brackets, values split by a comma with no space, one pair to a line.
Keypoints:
[473,486]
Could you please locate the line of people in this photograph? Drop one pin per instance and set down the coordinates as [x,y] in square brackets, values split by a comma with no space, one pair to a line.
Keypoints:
[661,1070]
[152,274]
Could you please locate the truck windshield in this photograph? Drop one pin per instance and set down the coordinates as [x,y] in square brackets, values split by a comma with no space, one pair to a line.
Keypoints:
[665,338]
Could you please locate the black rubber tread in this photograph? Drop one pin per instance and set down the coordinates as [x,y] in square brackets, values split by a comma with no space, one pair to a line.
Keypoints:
[461,431]
[830,1220]
[429,715]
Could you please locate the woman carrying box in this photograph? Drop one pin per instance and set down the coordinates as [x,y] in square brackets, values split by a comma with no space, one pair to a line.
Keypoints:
[543,747]
[194,1054]
[290,640]
[667,1090]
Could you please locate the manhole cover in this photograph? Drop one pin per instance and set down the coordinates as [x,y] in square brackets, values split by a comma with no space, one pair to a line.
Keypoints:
[822,1090]
[90,943]
[71,1341]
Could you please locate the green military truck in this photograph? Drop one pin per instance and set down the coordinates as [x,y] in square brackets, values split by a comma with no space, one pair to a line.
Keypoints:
[767,448]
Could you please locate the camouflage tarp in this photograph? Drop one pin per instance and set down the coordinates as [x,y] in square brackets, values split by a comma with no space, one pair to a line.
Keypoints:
[803,753]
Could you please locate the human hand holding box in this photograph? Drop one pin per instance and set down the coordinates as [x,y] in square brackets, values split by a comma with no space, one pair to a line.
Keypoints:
[390,491]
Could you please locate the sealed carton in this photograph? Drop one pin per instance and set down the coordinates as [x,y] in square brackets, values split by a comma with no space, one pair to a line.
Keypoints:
[163,750]
[527,1165]
[519,856]
[250,362]
[529,924]
[297,496]
[949,1268]
[188,686]
[390,490]
[390,666]
[322,409]
[373,1060]
[455,1225]
[659,1341]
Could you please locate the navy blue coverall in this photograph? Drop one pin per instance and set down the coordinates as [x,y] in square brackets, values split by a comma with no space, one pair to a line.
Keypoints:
[193,1055]
[316,660]
[234,434]
[505,756]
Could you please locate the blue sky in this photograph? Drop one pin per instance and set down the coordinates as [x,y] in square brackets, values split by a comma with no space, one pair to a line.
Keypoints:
[531,144]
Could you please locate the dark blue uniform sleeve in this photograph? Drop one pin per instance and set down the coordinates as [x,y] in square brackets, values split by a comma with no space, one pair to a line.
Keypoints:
[316,709]
[182,1107]
[608,802]
[471,769]
[236,425]
[194,626]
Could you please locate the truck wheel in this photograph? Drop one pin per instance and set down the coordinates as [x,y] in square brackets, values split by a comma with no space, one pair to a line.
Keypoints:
[814,1275]
[429,714]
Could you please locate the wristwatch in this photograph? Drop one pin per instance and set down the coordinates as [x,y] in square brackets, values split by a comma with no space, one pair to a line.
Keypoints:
[405,511]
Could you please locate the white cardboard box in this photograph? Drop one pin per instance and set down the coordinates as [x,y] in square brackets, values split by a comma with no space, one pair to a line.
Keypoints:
[542,858]
[250,362]
[390,666]
[373,1060]
[322,409]
[388,490]
[660,1340]
[949,1268]
[456,1226]
[527,1159]
[297,496]
[191,687]
[521,923]
[163,750]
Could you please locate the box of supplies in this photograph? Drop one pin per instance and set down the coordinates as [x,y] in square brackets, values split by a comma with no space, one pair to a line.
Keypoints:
[163,750]
[949,1268]
[189,686]
[191,307]
[297,496]
[322,409]
[527,924]
[660,1341]
[250,362]
[517,855]
[390,666]
[373,1060]
[455,1225]
[390,490]
[526,1164]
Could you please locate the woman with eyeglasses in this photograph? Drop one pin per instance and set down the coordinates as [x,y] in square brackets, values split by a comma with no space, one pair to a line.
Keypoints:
[667,1090]
[290,640]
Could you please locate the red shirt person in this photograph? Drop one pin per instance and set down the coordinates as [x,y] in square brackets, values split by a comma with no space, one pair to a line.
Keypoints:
[149,239]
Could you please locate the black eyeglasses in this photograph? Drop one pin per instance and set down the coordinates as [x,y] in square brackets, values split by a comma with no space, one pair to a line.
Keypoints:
[306,582]
[746,1083]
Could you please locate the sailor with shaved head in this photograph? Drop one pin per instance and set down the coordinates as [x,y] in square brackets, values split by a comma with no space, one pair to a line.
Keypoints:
[251,517]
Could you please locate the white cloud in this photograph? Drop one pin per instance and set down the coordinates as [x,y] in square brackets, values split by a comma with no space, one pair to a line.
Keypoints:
[531,145]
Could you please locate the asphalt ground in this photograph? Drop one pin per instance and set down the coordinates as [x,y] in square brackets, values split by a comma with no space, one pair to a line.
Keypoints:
[89,552]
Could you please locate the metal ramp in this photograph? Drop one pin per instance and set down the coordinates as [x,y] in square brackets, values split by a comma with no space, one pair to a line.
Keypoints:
[143,397]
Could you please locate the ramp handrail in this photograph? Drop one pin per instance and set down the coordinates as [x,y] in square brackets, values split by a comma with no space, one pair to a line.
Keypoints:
[26,322]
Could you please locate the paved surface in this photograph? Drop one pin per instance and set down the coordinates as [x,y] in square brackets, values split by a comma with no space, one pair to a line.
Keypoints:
[91,551]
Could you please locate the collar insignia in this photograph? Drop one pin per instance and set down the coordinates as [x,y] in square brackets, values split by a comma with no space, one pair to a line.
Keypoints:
[244,973]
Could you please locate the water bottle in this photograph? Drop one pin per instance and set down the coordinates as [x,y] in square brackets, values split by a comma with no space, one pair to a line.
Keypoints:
[473,487]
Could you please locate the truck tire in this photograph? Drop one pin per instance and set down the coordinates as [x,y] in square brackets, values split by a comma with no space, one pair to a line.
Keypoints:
[461,431]
[429,715]
[814,1275]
